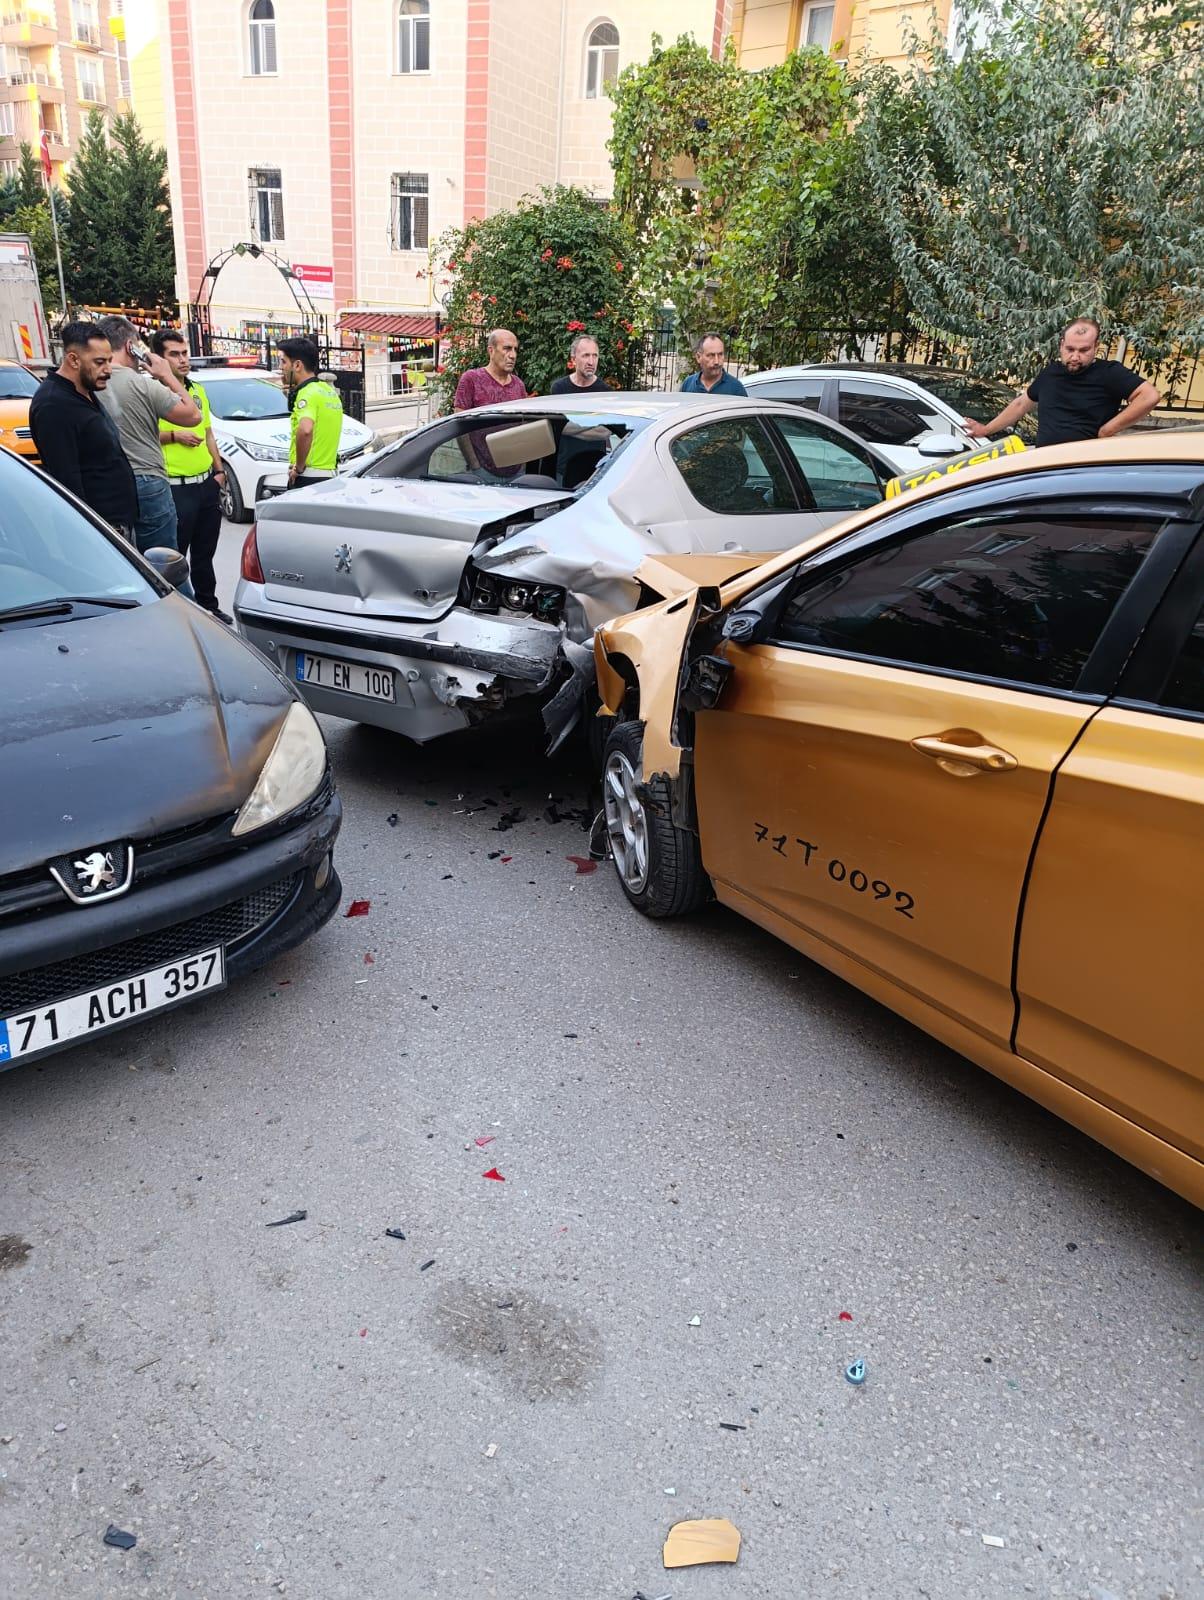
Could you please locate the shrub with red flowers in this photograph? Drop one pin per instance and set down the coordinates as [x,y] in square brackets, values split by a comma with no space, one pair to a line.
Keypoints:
[555,267]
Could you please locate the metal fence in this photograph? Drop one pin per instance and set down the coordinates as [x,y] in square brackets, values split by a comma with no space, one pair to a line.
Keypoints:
[254,345]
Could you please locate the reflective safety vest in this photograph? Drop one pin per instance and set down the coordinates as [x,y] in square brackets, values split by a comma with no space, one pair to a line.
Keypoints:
[179,460]
[319,402]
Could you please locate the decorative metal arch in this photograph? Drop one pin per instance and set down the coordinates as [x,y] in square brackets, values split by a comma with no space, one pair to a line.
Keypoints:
[198,312]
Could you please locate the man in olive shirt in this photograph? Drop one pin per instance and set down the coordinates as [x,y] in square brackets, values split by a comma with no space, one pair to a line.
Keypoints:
[1079,396]
[194,475]
[316,415]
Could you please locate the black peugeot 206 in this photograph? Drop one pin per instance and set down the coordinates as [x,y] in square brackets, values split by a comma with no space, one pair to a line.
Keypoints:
[167,813]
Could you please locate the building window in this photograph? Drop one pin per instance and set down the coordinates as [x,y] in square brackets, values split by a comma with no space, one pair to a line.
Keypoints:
[414,36]
[9,168]
[91,80]
[816,30]
[409,212]
[261,25]
[8,121]
[601,59]
[84,25]
[267,204]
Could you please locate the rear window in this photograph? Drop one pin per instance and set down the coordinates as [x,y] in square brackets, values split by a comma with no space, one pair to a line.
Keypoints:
[554,451]
[244,399]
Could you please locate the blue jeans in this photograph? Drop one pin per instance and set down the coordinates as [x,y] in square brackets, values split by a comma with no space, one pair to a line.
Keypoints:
[156,524]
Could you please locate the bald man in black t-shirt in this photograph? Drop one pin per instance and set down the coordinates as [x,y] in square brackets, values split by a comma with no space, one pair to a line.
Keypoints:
[1078,396]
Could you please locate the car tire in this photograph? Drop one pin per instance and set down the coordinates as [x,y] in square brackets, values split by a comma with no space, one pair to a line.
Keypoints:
[230,498]
[659,865]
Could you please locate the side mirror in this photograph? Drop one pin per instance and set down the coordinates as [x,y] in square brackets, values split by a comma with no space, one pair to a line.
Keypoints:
[748,623]
[936,446]
[171,566]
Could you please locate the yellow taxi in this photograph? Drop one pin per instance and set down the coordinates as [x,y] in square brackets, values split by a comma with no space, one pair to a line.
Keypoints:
[17,388]
[953,750]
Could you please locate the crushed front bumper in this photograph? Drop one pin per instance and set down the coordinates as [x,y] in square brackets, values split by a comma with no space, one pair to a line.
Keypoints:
[448,675]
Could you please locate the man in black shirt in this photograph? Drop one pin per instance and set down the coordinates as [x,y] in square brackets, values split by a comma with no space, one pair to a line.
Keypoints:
[584,376]
[74,435]
[1080,396]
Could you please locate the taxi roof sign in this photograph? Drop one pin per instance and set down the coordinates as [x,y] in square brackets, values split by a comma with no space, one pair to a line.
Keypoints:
[1009,445]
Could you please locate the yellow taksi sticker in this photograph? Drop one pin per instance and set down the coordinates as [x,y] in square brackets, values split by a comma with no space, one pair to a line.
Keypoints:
[1007,446]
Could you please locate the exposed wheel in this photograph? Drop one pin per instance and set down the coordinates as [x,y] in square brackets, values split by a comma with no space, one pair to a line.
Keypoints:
[659,865]
[230,498]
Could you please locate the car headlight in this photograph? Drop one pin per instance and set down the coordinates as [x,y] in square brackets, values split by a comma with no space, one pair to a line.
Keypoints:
[291,774]
[265,452]
[489,591]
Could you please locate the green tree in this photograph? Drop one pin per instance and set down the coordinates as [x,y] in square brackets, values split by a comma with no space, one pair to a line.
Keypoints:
[30,185]
[559,264]
[35,221]
[747,192]
[118,239]
[1061,173]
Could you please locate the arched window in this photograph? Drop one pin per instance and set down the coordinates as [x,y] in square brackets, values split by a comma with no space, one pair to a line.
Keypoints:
[601,59]
[261,28]
[414,36]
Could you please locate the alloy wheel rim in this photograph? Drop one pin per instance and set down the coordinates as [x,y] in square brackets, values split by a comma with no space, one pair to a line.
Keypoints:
[626,821]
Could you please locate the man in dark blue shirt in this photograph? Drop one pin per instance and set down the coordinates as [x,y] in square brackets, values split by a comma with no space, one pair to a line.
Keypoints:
[712,376]
[76,440]
[1079,396]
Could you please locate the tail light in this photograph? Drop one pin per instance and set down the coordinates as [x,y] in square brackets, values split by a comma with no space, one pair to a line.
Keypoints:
[251,569]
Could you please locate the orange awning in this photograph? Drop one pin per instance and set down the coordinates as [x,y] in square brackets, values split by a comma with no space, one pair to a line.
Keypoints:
[417,326]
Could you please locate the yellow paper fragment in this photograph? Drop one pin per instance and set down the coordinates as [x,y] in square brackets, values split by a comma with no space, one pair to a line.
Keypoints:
[695,1544]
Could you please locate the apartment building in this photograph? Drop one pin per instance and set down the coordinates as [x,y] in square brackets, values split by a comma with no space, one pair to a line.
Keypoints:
[344,136]
[62,59]
[766,31]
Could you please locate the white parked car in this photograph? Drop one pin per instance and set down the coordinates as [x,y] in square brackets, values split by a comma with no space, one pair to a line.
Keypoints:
[465,569]
[251,427]
[913,414]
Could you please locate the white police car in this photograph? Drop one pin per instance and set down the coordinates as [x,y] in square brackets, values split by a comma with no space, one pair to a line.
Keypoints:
[251,427]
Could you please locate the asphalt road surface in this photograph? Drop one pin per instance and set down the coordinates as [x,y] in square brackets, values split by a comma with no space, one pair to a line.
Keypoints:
[710,1151]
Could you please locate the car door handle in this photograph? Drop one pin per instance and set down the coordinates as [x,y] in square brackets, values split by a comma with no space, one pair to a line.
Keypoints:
[962,753]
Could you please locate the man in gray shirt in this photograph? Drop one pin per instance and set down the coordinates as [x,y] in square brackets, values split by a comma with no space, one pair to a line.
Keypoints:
[136,399]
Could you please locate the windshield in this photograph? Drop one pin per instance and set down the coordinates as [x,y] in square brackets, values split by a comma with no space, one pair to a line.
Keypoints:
[557,451]
[243,399]
[17,384]
[48,550]
[979,398]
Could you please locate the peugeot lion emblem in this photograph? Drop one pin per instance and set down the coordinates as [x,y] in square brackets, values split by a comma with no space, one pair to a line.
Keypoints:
[342,558]
[95,871]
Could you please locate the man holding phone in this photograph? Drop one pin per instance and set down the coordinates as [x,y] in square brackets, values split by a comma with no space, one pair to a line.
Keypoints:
[142,392]
[194,475]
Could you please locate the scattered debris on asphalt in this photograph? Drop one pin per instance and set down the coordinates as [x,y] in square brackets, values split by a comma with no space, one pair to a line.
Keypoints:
[369,959]
[427,1264]
[694,1322]
[119,1538]
[482,1139]
[855,1371]
[1072,1248]
[494,854]
[507,820]
[735,1427]
[392,819]
[394,1233]
[994,1541]
[490,1452]
[671,1491]
[697,1544]
[494,1174]
[60,1427]
[14,1252]
[283,1222]
[640,1595]
[358,908]
[583,864]
[363,1333]
[845,1316]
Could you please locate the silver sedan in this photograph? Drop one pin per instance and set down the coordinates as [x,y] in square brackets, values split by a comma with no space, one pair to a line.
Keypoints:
[463,571]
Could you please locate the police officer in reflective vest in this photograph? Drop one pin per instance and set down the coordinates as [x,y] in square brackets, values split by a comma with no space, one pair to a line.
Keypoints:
[194,475]
[317,415]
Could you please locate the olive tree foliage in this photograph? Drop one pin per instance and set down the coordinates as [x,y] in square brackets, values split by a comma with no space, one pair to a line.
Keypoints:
[745,192]
[1061,174]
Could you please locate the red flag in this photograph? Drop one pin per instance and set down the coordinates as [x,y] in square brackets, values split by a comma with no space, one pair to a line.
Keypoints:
[46,167]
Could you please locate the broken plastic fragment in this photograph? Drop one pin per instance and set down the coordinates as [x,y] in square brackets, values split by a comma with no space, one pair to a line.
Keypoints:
[494,1174]
[283,1222]
[993,1540]
[695,1322]
[490,1452]
[583,864]
[391,819]
[855,1371]
[697,1544]
[119,1538]
[394,1233]
[427,1264]
[369,959]
[358,908]
[735,1427]
[845,1316]
[482,1139]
